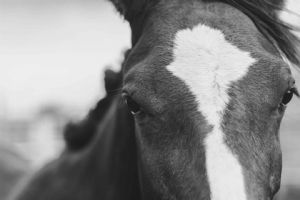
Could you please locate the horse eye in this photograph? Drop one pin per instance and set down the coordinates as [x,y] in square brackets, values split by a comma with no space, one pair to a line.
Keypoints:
[132,105]
[287,97]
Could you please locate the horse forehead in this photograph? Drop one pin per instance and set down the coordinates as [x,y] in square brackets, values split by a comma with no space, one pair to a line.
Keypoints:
[208,63]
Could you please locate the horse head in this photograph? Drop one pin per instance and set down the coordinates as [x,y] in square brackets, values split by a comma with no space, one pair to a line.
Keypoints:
[207,84]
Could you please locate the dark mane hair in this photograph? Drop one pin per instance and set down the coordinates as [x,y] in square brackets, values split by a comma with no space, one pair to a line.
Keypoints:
[264,13]
[78,135]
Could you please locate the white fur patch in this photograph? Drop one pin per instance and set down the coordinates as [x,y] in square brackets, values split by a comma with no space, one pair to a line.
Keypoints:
[208,64]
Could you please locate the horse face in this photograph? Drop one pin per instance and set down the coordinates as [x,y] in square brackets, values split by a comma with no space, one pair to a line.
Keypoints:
[208,92]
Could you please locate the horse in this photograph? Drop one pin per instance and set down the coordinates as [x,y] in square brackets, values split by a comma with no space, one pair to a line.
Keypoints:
[206,84]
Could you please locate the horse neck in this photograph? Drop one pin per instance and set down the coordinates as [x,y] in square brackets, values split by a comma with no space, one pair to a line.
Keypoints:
[112,154]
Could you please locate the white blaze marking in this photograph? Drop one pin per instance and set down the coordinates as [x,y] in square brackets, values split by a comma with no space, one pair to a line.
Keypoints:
[208,64]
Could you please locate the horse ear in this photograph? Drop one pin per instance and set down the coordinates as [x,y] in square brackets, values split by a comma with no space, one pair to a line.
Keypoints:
[130,8]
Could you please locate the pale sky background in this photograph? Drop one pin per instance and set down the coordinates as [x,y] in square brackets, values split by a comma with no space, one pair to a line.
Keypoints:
[54,51]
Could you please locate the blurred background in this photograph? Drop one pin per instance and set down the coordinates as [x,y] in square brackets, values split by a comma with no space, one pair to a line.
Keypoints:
[52,57]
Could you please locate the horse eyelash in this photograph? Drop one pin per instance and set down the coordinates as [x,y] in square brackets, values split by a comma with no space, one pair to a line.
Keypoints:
[295,91]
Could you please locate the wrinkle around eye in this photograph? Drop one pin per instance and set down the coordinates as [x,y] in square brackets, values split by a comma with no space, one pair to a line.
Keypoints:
[151,102]
[147,103]
[132,105]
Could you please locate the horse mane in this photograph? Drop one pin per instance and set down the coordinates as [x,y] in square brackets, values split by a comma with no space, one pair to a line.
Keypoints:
[264,14]
[78,135]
